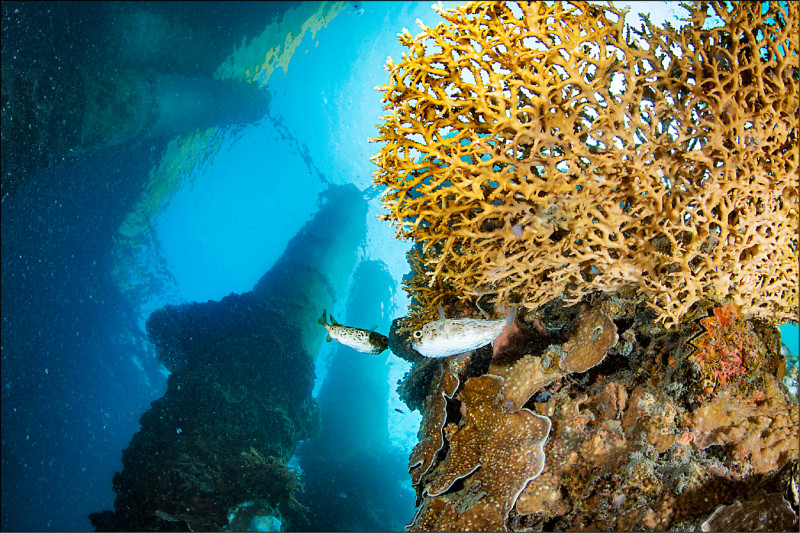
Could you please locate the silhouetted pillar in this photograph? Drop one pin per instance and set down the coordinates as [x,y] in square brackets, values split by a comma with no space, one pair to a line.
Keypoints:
[238,399]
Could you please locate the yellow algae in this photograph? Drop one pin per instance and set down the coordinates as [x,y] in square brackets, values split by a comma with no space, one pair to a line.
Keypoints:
[183,155]
[256,60]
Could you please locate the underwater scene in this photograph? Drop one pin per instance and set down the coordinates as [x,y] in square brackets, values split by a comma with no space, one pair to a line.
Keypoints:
[386,266]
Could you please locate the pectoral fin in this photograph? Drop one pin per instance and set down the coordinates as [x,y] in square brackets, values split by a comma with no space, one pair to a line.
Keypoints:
[510,317]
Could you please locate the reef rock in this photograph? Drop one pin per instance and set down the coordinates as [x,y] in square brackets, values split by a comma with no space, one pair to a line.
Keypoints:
[763,427]
[633,443]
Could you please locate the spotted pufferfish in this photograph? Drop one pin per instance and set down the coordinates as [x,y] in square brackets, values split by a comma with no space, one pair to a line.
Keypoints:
[450,336]
[362,340]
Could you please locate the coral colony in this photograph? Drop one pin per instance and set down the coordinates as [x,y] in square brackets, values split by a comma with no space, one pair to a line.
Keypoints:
[535,152]
[635,197]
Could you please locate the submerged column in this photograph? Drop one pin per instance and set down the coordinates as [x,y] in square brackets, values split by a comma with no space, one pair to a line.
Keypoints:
[212,452]
[352,475]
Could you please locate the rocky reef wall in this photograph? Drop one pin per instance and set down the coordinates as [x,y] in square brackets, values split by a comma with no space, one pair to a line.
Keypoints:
[596,418]
[637,199]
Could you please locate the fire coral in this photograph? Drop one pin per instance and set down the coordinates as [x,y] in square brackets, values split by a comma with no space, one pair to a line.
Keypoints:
[533,151]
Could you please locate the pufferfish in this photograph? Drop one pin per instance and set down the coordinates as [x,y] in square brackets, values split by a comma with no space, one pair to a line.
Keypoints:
[451,336]
[361,340]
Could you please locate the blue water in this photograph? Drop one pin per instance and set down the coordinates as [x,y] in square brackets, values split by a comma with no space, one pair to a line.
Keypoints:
[77,369]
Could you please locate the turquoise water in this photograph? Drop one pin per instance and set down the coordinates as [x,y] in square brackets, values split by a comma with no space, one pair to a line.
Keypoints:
[189,206]
[789,337]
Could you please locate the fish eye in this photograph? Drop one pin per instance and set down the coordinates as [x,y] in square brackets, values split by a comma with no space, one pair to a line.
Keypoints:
[417,334]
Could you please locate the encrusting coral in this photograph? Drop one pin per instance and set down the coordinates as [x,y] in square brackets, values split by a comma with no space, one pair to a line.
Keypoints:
[495,437]
[728,349]
[593,333]
[634,442]
[730,420]
[765,512]
[496,450]
[432,439]
[533,151]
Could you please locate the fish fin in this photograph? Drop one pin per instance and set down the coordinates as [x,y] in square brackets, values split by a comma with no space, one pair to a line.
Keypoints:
[333,321]
[478,305]
[322,319]
[510,317]
[329,338]
[373,328]
[441,311]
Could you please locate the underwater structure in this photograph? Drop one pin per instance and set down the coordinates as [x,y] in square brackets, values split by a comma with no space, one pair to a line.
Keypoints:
[58,113]
[130,75]
[637,198]
[353,479]
[213,451]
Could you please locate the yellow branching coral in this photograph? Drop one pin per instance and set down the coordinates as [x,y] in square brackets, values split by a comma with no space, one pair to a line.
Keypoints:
[533,151]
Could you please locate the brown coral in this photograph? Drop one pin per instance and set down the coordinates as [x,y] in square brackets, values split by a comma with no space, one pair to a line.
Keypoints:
[523,379]
[654,415]
[534,152]
[763,512]
[544,494]
[580,446]
[764,430]
[592,334]
[431,438]
[499,452]
[625,450]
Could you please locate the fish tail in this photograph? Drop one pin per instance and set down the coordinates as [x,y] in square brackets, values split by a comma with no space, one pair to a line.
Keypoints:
[512,314]
[322,319]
